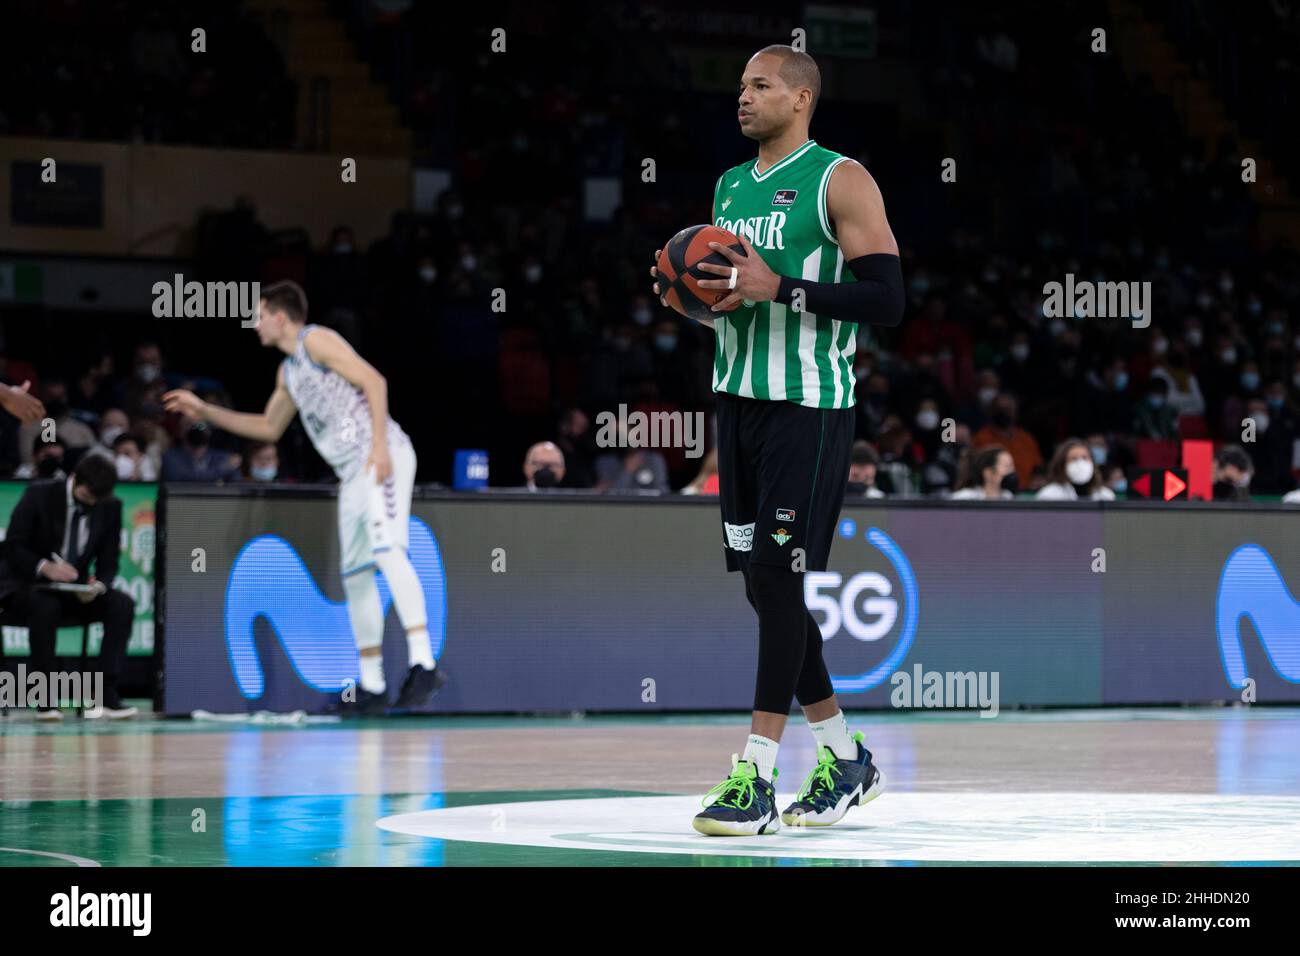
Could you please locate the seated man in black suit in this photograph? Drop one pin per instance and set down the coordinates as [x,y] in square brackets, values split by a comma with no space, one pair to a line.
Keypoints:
[59,528]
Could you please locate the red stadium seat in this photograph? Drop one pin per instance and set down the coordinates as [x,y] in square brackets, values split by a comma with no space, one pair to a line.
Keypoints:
[1193,426]
[525,382]
[1156,453]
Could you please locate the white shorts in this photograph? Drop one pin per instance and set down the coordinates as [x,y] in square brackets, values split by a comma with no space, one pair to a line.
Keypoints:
[374,518]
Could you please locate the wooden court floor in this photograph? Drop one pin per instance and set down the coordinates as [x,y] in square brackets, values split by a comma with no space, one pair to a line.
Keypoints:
[1183,785]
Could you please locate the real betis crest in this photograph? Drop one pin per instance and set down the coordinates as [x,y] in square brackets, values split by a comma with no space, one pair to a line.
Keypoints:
[781,536]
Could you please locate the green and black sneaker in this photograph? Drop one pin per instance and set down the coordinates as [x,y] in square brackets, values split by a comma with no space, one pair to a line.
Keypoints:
[835,786]
[744,804]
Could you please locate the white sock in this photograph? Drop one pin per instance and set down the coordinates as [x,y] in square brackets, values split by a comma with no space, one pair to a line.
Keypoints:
[418,649]
[833,732]
[367,617]
[762,752]
[372,673]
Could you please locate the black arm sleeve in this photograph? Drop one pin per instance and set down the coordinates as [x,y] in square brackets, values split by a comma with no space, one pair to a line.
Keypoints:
[875,299]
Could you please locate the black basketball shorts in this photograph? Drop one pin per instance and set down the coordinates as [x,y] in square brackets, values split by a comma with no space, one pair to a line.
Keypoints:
[782,469]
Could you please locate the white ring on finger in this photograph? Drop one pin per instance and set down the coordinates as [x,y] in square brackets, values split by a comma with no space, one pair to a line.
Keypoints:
[731,282]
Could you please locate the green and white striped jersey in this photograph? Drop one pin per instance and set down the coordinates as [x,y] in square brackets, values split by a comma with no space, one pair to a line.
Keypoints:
[765,349]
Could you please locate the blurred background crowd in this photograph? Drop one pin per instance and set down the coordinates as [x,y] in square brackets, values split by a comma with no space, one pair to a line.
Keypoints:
[1067,162]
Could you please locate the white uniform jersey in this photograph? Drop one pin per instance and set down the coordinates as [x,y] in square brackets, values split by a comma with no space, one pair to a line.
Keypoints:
[334,412]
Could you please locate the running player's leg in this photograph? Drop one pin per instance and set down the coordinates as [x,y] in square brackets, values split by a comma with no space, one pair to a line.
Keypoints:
[359,587]
[389,524]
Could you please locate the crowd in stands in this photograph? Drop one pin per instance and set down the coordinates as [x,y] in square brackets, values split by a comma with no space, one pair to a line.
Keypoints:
[126,70]
[1066,166]
[121,417]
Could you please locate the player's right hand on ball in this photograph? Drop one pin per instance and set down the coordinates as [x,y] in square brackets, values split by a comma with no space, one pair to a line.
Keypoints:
[184,401]
[654,274]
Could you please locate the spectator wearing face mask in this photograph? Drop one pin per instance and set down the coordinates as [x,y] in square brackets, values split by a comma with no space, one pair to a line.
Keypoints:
[1072,475]
[142,391]
[621,361]
[940,473]
[926,431]
[426,272]
[672,371]
[533,275]
[130,460]
[543,466]
[979,411]
[75,435]
[1003,431]
[1239,395]
[1021,376]
[1184,393]
[338,277]
[986,474]
[1218,374]
[1153,417]
[261,462]
[632,470]
[873,404]
[1108,400]
[1099,448]
[863,462]
[194,459]
[578,448]
[112,423]
[47,460]
[1273,444]
[91,392]
[1142,364]
[1116,480]
[153,438]
[1232,474]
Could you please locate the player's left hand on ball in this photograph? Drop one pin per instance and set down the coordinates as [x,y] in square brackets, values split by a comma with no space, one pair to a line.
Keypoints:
[380,465]
[754,280]
[654,274]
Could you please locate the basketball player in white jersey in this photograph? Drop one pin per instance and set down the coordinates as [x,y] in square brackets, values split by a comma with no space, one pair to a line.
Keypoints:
[343,402]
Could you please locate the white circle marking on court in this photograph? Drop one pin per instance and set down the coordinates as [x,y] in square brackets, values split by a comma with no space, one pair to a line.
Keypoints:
[67,857]
[973,827]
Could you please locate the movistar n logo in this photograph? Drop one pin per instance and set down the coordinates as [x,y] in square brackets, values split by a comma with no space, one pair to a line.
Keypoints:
[1251,587]
[269,580]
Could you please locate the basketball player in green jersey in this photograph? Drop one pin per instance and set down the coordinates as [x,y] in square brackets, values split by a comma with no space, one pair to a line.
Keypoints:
[819,260]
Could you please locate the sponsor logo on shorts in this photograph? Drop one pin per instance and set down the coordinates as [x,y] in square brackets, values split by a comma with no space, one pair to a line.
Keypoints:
[781,536]
[784,514]
[740,537]
[784,197]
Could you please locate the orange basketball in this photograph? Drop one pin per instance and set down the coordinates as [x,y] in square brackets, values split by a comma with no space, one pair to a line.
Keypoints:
[678,271]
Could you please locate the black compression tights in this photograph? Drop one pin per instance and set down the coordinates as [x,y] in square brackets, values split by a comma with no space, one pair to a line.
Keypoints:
[790,660]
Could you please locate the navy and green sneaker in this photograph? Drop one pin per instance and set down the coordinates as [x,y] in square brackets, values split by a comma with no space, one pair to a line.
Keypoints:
[744,804]
[833,787]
